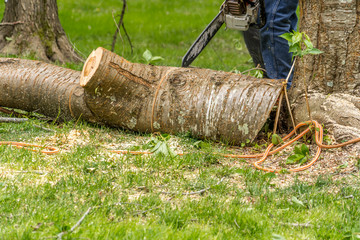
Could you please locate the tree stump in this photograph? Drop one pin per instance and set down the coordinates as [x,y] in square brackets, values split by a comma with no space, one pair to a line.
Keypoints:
[333,77]
[32,27]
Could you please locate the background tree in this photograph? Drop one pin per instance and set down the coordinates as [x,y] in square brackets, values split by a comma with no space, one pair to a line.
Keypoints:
[32,27]
[333,78]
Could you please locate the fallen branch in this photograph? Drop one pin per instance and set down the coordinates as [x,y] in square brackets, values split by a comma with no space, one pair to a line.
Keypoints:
[12,120]
[12,112]
[59,236]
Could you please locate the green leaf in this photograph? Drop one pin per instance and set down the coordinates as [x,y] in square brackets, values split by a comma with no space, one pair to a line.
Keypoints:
[294,158]
[308,44]
[287,36]
[297,37]
[156,58]
[147,55]
[315,51]
[297,201]
[297,150]
[296,48]
[305,150]
[303,160]
[277,237]
[259,74]
[276,139]
[9,39]
[202,145]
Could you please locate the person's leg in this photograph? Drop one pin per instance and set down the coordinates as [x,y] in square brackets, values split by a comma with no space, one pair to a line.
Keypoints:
[252,41]
[280,18]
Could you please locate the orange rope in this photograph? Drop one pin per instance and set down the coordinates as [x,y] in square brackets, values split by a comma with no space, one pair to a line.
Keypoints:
[312,125]
[49,151]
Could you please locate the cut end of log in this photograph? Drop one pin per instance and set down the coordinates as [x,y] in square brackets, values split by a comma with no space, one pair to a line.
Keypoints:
[90,66]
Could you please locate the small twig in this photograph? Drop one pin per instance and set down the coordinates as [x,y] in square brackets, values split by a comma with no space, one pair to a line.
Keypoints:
[11,23]
[350,196]
[284,92]
[278,112]
[44,128]
[34,172]
[236,223]
[197,192]
[12,120]
[346,197]
[252,69]
[143,212]
[118,26]
[76,50]
[128,38]
[59,236]
[287,98]
[297,224]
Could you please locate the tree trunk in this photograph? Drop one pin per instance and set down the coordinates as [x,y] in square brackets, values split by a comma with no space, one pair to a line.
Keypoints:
[32,28]
[208,104]
[333,77]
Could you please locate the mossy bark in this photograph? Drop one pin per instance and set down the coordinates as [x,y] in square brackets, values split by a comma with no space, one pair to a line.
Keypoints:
[33,29]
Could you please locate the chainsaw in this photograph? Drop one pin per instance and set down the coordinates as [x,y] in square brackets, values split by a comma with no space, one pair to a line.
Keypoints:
[236,14]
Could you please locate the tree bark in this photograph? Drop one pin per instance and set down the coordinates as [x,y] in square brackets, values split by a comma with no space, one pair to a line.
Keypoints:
[333,77]
[32,28]
[208,104]
[43,88]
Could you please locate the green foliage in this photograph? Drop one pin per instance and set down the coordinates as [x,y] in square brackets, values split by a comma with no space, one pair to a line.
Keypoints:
[300,44]
[258,73]
[276,139]
[149,58]
[301,155]
[159,145]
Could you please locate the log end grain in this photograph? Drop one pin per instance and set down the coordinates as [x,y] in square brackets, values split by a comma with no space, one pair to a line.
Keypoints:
[91,65]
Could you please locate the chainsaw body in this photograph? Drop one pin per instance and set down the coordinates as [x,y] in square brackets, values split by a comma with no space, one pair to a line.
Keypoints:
[239,14]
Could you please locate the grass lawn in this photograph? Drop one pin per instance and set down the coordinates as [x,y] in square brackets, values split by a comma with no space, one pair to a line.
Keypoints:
[197,196]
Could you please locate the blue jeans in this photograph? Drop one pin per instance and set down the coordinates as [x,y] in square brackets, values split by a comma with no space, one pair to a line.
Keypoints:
[280,18]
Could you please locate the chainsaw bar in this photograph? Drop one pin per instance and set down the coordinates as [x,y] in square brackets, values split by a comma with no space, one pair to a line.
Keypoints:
[204,38]
[237,14]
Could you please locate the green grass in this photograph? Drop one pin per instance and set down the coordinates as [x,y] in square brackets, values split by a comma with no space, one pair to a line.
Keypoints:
[166,28]
[141,197]
[138,197]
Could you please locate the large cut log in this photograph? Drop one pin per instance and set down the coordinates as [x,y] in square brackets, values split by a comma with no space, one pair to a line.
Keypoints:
[209,104]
